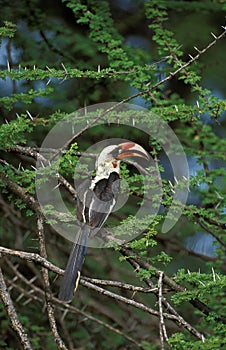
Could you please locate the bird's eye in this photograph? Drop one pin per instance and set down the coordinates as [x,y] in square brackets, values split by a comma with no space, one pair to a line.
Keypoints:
[116,152]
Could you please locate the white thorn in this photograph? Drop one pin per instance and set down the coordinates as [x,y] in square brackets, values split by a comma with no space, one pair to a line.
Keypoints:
[217,205]
[171,185]
[223,27]
[196,49]
[189,272]
[34,67]
[20,297]
[218,195]
[25,68]
[42,164]
[49,69]
[85,108]
[63,79]
[218,276]
[64,68]
[175,179]
[191,56]
[6,121]
[19,167]
[48,81]
[58,185]
[213,35]
[176,108]
[203,338]
[197,102]
[29,115]
[64,314]
[8,66]
[33,279]
[202,283]
[33,167]
[98,68]
[133,121]
[17,115]
[214,276]
[27,302]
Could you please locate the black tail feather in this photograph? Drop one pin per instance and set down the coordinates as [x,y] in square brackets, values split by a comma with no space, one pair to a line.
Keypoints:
[74,266]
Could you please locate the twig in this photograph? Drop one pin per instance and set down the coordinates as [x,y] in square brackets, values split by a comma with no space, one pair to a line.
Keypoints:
[32,257]
[119,284]
[9,307]
[207,229]
[125,300]
[162,327]
[50,310]
[66,332]
[174,245]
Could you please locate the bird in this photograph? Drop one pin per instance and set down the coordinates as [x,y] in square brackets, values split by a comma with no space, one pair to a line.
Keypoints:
[96,198]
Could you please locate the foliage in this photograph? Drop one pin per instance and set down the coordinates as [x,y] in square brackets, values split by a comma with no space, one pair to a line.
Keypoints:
[77,54]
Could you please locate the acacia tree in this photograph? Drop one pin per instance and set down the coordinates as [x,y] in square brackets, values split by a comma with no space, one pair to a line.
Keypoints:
[155,291]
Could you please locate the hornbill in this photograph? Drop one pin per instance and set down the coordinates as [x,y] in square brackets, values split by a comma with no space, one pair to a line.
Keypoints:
[96,198]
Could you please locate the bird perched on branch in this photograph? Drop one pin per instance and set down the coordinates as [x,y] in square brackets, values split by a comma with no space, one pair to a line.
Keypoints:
[96,199]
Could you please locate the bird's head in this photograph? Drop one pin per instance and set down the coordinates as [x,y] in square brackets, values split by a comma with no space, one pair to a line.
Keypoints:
[110,157]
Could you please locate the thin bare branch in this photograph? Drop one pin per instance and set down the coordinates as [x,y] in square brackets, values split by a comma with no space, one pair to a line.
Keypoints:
[119,284]
[12,314]
[162,326]
[49,306]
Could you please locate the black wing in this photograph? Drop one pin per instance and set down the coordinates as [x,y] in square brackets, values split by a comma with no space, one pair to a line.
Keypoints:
[94,206]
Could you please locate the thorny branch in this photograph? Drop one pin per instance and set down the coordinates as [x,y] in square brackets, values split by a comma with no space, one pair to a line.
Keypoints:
[143,92]
[12,314]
